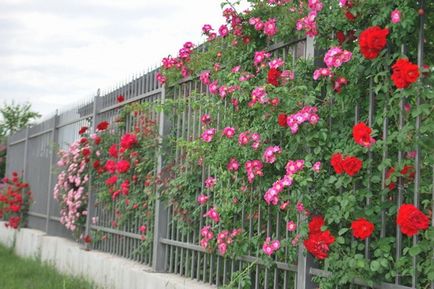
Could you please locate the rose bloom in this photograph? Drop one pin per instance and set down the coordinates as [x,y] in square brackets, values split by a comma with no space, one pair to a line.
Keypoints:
[351,165]
[318,244]
[273,76]
[82,130]
[102,125]
[336,162]
[120,98]
[113,151]
[362,134]
[362,228]
[315,224]
[123,166]
[404,73]
[128,140]
[395,16]
[372,40]
[281,120]
[411,220]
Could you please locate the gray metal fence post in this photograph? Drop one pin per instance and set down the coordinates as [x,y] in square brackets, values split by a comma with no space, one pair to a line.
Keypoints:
[53,142]
[161,220]
[89,194]
[26,154]
[304,263]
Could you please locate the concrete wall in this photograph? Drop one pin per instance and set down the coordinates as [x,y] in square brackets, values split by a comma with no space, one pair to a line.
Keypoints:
[107,271]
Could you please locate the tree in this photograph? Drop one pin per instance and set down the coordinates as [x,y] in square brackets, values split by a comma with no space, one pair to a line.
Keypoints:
[13,118]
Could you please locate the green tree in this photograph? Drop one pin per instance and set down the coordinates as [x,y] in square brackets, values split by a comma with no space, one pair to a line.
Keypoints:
[13,118]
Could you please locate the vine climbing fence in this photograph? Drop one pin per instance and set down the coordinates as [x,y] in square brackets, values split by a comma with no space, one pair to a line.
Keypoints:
[32,151]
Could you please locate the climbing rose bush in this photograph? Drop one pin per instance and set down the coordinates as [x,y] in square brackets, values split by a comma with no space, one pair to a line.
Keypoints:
[15,200]
[72,184]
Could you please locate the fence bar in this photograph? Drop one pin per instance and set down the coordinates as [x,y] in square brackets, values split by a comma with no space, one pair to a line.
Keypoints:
[26,154]
[161,219]
[89,200]
[53,141]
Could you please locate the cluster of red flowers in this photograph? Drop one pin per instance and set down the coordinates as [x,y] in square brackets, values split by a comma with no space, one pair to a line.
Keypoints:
[14,201]
[318,242]
[350,165]
[404,73]
[372,41]
[407,172]
[411,220]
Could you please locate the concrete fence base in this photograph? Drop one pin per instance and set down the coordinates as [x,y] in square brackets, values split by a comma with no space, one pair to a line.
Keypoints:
[105,270]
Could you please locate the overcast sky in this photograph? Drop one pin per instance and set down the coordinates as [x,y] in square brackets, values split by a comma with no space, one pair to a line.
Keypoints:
[56,52]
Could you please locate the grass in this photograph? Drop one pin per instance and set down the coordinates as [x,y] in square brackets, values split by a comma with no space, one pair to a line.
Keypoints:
[19,273]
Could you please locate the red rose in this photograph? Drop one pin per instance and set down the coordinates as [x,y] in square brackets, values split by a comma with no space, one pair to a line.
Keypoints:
[273,76]
[85,152]
[362,134]
[318,244]
[102,125]
[96,164]
[97,140]
[87,239]
[82,130]
[120,98]
[128,140]
[122,166]
[83,140]
[336,162]
[411,220]
[113,151]
[351,165]
[315,224]
[362,228]
[340,36]
[112,180]
[372,40]
[14,222]
[110,166]
[404,73]
[281,120]
[350,16]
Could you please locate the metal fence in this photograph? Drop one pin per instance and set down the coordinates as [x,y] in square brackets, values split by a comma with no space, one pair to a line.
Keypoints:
[32,151]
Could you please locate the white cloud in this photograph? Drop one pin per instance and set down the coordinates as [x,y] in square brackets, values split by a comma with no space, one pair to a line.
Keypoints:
[54,52]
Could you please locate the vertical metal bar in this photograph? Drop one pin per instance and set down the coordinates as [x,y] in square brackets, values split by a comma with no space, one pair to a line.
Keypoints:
[416,197]
[160,220]
[53,140]
[26,154]
[89,194]
[383,175]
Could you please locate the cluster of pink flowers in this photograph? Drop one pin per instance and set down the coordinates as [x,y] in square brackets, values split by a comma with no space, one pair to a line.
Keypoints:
[180,61]
[245,137]
[337,56]
[270,246]
[270,152]
[279,2]
[208,134]
[395,16]
[308,23]
[207,234]
[229,132]
[268,27]
[258,95]
[260,57]
[70,187]
[207,30]
[292,167]
[204,77]
[210,182]
[233,165]
[225,238]
[307,113]
[271,196]
[161,78]
[322,72]
[213,215]
[253,169]
[276,63]
[205,119]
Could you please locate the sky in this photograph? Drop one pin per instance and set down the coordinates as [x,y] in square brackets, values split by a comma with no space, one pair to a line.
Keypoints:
[55,53]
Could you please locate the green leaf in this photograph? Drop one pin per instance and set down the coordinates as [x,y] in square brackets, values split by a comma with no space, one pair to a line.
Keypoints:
[375,266]
[415,250]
